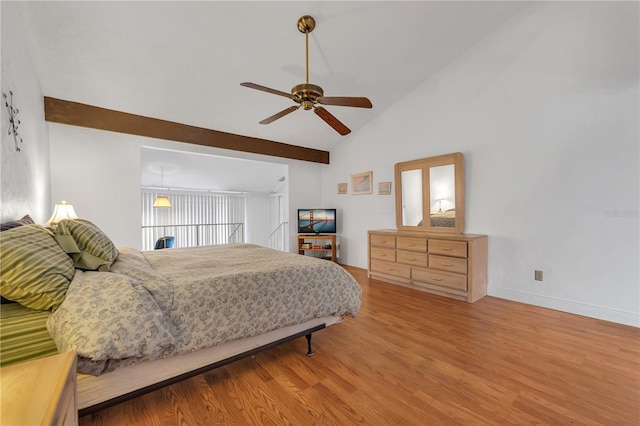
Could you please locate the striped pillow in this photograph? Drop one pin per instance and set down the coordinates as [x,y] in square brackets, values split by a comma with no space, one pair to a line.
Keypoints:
[26,220]
[34,270]
[89,247]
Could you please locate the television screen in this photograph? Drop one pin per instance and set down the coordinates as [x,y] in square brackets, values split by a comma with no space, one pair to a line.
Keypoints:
[317,221]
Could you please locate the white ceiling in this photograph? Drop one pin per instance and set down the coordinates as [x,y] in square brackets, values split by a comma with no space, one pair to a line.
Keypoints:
[184,170]
[184,61]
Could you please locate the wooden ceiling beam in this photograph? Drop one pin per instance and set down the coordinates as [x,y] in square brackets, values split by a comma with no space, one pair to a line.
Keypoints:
[77,114]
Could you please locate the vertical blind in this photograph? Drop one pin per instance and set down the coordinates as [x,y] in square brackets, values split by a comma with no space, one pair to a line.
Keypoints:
[193,219]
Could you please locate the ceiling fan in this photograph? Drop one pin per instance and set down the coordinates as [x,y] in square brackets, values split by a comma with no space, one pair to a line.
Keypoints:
[308,96]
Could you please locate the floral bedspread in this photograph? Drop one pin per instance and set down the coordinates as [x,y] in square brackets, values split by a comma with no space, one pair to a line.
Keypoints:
[155,304]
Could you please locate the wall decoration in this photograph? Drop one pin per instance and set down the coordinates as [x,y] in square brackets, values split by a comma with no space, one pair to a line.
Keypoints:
[13,121]
[342,188]
[384,188]
[362,183]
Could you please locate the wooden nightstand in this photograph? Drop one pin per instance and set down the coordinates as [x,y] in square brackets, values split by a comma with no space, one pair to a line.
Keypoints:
[40,392]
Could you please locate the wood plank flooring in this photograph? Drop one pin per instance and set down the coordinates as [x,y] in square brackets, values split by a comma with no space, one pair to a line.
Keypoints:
[412,358]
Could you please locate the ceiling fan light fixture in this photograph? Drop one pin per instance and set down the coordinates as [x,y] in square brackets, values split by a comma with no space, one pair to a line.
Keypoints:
[308,95]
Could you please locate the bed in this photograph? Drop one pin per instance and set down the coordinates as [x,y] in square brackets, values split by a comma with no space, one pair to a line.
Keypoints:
[445,219]
[142,320]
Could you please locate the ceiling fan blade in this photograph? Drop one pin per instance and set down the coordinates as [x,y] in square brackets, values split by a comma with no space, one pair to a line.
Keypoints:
[332,121]
[345,101]
[267,89]
[281,114]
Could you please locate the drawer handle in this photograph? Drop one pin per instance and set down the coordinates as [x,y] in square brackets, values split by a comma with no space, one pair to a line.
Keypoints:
[388,269]
[383,254]
[411,258]
[447,264]
[411,245]
[446,248]
[437,279]
[383,241]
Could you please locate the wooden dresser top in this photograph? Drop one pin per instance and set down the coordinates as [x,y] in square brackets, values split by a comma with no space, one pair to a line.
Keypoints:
[432,235]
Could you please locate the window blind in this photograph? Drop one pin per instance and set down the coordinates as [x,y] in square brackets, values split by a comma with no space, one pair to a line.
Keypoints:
[194,219]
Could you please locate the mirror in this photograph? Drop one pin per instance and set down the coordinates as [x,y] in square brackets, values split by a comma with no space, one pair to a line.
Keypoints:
[434,185]
[442,190]
[411,196]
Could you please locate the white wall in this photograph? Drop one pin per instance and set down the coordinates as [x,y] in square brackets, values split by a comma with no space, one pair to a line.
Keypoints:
[99,173]
[545,111]
[257,224]
[24,175]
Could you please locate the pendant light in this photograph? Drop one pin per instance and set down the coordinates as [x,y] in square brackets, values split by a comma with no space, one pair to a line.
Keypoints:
[162,201]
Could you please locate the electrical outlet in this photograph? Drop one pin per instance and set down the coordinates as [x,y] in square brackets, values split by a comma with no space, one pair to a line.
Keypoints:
[537,275]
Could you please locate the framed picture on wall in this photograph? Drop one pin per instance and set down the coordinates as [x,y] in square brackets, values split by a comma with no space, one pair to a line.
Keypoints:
[384,188]
[362,183]
[342,188]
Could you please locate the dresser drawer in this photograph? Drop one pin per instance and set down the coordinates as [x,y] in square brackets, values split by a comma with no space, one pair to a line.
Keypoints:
[389,268]
[383,241]
[448,248]
[381,253]
[443,279]
[446,263]
[412,258]
[413,244]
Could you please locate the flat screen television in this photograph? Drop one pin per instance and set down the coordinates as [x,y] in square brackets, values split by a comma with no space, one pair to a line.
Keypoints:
[317,221]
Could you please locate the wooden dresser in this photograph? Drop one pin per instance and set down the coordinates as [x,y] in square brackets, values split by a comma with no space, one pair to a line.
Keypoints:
[452,265]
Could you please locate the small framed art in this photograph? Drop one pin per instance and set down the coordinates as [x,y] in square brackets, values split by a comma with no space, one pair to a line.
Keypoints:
[384,188]
[342,188]
[362,183]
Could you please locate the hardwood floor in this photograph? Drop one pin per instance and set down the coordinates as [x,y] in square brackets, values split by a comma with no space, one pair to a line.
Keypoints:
[412,358]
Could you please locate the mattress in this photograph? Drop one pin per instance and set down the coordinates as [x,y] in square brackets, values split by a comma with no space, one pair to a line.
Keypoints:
[23,334]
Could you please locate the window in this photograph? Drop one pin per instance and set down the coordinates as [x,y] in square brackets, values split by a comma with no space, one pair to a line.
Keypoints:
[194,219]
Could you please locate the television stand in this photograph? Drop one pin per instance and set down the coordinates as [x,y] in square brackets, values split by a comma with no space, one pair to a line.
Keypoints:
[315,244]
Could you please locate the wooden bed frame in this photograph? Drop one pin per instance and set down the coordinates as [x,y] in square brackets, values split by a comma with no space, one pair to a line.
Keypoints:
[99,392]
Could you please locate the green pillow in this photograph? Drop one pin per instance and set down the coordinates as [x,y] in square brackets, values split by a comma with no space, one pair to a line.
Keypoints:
[89,247]
[34,270]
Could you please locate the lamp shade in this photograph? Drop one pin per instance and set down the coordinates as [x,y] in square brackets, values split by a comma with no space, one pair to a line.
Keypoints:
[162,201]
[63,210]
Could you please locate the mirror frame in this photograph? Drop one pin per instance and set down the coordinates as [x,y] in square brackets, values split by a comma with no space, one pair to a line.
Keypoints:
[425,164]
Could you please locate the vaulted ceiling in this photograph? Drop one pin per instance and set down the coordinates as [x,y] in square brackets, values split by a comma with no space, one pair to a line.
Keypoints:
[184,61]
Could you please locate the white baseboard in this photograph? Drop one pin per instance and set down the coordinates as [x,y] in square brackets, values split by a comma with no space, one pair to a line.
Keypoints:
[592,311]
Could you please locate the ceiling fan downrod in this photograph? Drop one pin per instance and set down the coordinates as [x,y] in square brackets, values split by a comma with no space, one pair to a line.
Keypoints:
[308,93]
[306,24]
